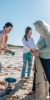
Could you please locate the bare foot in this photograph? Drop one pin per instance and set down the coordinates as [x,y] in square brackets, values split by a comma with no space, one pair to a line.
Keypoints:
[2,82]
[48,98]
[2,87]
[22,80]
[26,78]
[31,93]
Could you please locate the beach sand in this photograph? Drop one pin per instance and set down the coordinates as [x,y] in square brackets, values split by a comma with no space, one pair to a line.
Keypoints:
[12,66]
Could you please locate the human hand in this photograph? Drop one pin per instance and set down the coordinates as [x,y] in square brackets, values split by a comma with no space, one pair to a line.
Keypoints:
[35,52]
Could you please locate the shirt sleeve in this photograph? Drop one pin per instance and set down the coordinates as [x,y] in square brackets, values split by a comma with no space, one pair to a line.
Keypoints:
[41,43]
[33,44]
[25,44]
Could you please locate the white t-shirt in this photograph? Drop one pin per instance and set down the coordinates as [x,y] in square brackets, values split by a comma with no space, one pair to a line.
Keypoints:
[27,45]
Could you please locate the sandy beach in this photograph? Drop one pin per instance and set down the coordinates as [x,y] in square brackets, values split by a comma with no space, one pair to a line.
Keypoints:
[12,67]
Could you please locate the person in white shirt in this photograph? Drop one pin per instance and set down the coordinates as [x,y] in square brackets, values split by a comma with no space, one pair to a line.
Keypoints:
[29,48]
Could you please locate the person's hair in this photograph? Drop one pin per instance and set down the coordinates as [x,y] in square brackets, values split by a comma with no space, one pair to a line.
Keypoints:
[8,24]
[26,32]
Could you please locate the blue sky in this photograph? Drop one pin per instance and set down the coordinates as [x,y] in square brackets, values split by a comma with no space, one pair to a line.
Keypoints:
[23,13]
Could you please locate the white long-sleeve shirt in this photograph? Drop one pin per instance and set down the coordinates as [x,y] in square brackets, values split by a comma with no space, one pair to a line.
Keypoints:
[27,45]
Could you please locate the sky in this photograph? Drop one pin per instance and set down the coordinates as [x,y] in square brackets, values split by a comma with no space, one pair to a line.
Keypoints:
[23,13]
